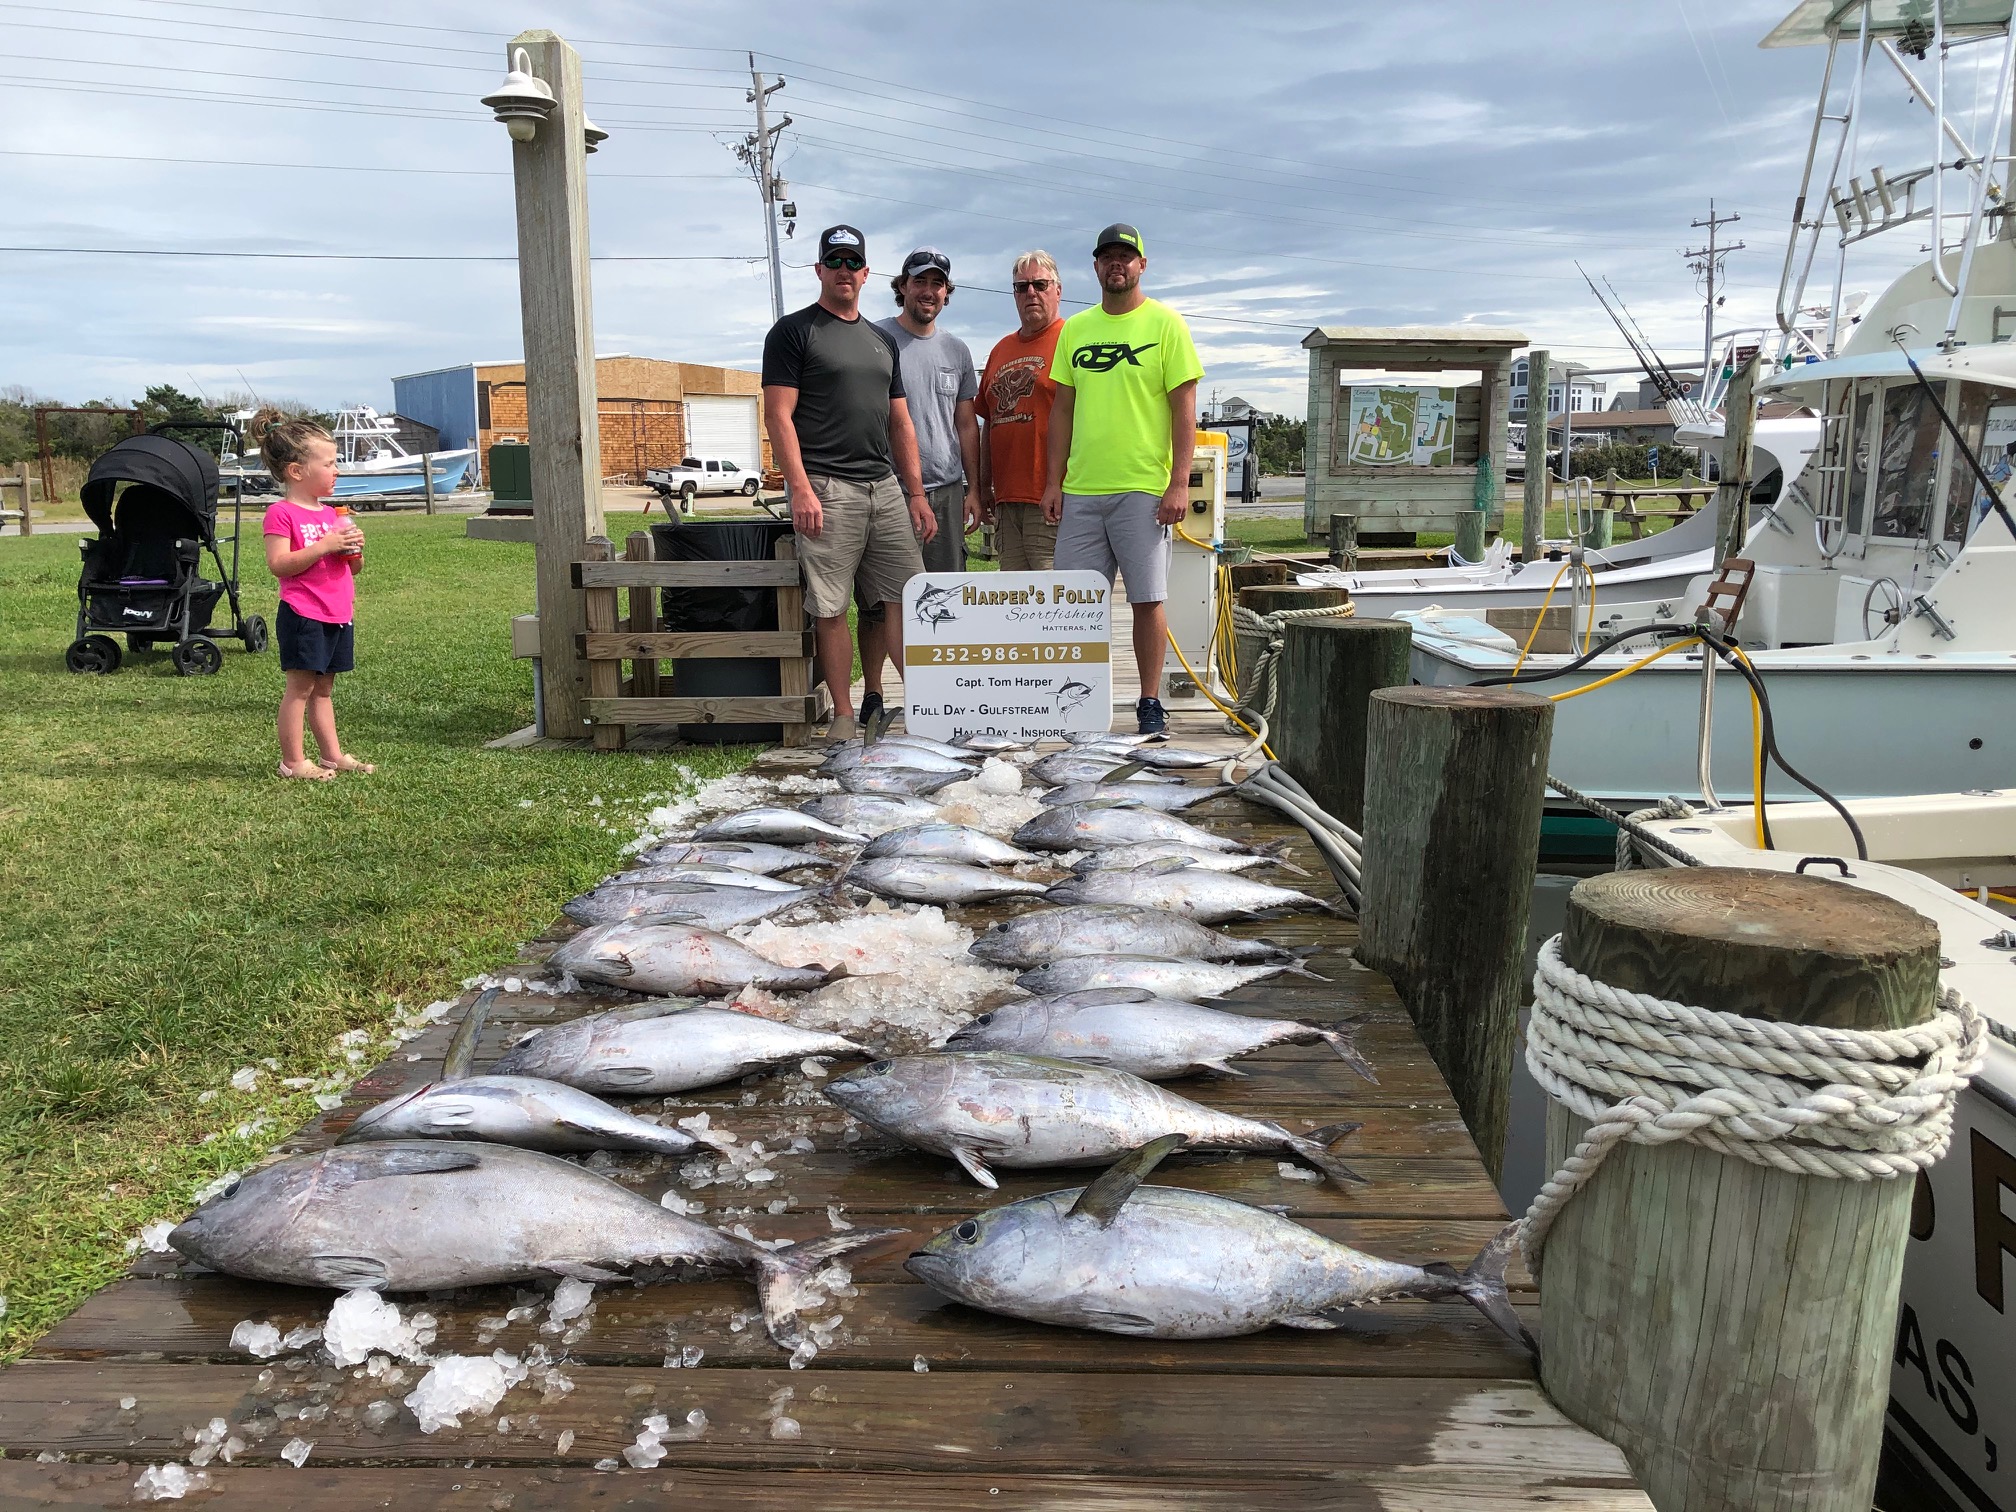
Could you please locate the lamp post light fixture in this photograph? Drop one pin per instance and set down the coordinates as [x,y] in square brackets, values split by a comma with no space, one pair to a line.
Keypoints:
[522,101]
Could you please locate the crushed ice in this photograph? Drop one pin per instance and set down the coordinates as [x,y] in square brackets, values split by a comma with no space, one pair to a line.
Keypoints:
[458,1385]
[362,1322]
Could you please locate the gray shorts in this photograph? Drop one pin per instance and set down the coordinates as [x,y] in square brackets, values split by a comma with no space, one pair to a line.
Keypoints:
[946,551]
[1107,532]
[865,542]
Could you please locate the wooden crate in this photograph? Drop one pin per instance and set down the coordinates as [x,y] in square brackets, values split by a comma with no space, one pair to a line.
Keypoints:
[615,702]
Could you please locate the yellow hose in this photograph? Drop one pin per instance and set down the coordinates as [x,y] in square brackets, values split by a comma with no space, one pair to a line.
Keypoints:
[1756,755]
[1643,661]
[1206,691]
[1534,634]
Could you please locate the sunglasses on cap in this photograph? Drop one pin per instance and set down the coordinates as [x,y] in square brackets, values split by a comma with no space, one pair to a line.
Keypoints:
[845,260]
[1024,285]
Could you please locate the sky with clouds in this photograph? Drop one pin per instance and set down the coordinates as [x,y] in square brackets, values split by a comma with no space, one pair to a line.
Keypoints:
[1290,165]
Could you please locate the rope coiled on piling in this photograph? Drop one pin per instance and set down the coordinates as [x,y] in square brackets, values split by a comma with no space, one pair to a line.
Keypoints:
[1257,679]
[1860,1105]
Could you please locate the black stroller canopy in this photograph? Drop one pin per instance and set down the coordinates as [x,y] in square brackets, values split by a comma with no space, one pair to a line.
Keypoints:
[186,474]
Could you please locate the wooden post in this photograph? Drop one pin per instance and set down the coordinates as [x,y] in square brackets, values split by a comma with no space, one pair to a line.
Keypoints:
[1732,497]
[1344,541]
[1328,672]
[1271,598]
[427,478]
[43,454]
[1729,1326]
[643,617]
[28,502]
[794,673]
[600,614]
[1455,780]
[553,289]
[1533,522]
[1257,575]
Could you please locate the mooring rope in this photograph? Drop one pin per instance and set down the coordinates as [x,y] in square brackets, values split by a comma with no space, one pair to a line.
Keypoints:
[1256,686]
[1861,1105]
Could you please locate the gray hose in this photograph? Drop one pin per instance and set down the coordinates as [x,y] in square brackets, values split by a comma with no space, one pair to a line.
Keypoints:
[1337,841]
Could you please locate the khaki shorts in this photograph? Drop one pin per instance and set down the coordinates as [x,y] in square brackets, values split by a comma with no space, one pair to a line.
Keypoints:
[866,536]
[1023,540]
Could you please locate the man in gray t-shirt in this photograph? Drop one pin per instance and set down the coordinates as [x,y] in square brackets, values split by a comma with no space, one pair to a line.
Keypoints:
[941,383]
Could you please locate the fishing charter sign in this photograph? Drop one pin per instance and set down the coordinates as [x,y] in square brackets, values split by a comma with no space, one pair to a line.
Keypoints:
[1022,654]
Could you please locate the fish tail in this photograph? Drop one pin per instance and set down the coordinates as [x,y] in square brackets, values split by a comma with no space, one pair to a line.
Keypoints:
[783,1277]
[833,973]
[1320,1147]
[1483,1285]
[1346,1046]
[1300,968]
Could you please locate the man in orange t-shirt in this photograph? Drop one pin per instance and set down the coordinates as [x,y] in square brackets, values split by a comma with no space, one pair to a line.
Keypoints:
[1016,390]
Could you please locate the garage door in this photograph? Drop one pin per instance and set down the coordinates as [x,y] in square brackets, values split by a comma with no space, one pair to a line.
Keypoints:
[724,426]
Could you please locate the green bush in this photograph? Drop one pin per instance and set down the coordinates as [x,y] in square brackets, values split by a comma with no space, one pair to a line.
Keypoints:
[1630,461]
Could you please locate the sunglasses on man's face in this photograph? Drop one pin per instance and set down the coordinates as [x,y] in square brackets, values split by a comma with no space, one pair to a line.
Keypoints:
[1024,285]
[851,264]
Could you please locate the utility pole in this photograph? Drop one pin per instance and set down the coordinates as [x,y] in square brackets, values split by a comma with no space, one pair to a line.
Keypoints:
[1707,262]
[758,152]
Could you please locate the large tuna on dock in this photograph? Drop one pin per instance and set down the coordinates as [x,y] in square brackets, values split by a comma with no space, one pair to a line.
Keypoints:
[777,826]
[1090,929]
[745,855]
[673,959]
[1174,884]
[987,1106]
[1165,976]
[407,1217]
[1168,798]
[531,1112]
[946,842]
[1099,825]
[683,903]
[1166,1263]
[915,879]
[658,1048]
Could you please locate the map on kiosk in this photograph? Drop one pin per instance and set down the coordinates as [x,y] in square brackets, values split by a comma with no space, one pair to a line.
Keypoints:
[1022,654]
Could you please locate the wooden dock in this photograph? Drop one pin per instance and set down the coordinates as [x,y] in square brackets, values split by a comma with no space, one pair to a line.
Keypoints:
[1416,1405]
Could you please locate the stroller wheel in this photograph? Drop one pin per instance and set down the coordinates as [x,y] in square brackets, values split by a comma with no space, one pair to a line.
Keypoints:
[197,656]
[94,653]
[254,632]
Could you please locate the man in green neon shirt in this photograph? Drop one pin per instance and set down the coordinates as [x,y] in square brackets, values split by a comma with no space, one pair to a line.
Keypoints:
[1123,431]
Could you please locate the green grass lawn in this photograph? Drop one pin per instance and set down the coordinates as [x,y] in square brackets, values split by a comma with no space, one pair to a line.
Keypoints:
[174,913]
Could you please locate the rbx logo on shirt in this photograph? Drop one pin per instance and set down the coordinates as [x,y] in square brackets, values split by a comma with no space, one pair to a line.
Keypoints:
[1104,356]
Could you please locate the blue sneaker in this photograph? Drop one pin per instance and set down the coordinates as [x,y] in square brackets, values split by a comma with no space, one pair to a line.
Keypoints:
[1149,717]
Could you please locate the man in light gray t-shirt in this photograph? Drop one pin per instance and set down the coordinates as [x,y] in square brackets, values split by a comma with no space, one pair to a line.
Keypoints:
[941,383]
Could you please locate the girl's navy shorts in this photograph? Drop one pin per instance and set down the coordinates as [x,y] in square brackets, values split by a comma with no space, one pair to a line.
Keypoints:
[312,645]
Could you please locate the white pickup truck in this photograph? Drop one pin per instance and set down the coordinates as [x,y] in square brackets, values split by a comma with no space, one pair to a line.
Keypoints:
[695,476]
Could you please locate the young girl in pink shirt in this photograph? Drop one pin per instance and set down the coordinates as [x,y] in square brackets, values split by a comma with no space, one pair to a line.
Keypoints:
[316,554]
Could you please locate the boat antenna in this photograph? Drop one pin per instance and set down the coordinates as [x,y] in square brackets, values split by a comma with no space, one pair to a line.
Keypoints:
[248,386]
[1662,376]
[1966,451]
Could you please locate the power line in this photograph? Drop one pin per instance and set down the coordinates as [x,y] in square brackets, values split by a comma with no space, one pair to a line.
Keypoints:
[454,257]
[372,168]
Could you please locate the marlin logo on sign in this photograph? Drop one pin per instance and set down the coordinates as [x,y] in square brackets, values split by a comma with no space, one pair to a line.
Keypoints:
[1104,356]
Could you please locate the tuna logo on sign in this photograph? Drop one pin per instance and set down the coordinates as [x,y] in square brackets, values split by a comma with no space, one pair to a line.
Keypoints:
[1104,356]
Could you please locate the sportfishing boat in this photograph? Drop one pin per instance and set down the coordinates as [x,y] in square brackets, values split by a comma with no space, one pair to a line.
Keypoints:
[372,463]
[1874,597]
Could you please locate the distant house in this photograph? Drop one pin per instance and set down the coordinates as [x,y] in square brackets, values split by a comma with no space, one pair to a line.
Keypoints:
[650,412]
[1582,393]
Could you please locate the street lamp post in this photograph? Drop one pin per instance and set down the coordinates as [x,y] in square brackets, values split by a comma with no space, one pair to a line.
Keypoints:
[539,103]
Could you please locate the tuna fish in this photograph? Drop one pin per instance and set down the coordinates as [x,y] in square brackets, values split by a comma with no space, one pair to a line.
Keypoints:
[991,744]
[848,757]
[946,842]
[1072,766]
[1174,884]
[1130,1029]
[659,1048]
[1056,934]
[1165,976]
[1167,797]
[748,856]
[1170,758]
[913,879]
[777,825]
[1166,1263]
[935,747]
[715,908]
[527,1111]
[1030,1110]
[703,875]
[1113,738]
[1127,857]
[678,958]
[1098,826]
[427,1216]
[901,780]
[870,813]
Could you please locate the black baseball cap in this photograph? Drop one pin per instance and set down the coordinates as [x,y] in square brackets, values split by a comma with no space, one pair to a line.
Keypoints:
[1119,234]
[925,258]
[842,239]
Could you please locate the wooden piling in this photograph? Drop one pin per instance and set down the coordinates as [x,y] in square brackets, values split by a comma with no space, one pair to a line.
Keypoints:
[1257,574]
[637,547]
[1272,598]
[1729,1326]
[1454,784]
[605,678]
[1732,497]
[1533,522]
[1344,541]
[1328,671]
[427,478]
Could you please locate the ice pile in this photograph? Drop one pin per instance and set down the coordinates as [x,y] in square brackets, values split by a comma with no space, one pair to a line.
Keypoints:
[910,981]
[170,1482]
[657,1431]
[986,802]
[362,1322]
[458,1385]
[259,1340]
[153,1239]
[571,1299]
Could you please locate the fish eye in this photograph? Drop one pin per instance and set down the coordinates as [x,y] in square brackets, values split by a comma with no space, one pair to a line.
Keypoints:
[231,1190]
[878,1068]
[985,1018]
[968,1230]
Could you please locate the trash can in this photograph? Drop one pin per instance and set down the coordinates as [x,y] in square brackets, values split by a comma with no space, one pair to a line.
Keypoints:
[722,609]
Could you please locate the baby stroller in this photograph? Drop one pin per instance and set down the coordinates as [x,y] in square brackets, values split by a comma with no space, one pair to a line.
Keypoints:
[143,574]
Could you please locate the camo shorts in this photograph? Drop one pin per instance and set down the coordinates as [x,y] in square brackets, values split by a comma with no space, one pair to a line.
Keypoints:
[865,536]
[1105,533]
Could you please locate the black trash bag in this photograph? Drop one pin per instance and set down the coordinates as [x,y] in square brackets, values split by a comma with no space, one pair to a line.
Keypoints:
[719,609]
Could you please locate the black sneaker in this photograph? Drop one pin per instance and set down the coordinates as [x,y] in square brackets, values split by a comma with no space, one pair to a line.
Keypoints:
[871,710]
[1149,717]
